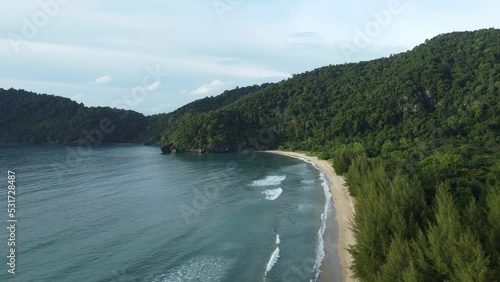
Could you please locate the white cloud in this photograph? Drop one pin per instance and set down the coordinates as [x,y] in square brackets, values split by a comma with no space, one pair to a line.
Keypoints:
[212,88]
[97,57]
[102,80]
[153,86]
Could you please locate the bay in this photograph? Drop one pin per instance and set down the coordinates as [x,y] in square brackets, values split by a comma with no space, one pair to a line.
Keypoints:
[128,213]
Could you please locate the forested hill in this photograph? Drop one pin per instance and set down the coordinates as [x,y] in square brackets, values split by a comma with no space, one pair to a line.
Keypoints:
[27,117]
[161,124]
[444,88]
[417,136]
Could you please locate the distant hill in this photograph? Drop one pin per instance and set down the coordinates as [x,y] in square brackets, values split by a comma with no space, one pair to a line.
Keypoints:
[27,117]
[160,124]
[31,118]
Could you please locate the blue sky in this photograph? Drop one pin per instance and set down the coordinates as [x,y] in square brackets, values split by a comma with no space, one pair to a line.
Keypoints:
[154,56]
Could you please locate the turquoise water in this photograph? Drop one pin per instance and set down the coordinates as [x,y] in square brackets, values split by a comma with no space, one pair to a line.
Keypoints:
[128,213]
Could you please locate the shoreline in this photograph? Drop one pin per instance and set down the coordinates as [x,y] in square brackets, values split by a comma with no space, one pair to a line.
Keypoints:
[338,221]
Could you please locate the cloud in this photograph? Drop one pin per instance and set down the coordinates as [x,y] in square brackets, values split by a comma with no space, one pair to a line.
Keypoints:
[90,58]
[102,80]
[153,86]
[214,87]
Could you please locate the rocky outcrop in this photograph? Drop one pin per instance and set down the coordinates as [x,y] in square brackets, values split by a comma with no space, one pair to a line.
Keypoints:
[220,148]
[172,149]
[167,149]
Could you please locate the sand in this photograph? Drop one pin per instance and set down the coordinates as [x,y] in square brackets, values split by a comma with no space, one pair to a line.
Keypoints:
[339,222]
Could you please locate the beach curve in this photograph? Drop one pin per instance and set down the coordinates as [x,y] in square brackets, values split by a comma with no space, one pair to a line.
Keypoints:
[343,205]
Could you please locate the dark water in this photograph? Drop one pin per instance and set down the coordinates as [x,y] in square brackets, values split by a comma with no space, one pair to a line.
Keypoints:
[128,213]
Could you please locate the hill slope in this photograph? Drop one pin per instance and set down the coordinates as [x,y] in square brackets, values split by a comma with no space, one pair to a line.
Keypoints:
[27,117]
[160,124]
[415,134]
[447,87]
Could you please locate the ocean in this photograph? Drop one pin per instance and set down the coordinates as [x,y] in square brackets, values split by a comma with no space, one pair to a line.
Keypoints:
[128,213]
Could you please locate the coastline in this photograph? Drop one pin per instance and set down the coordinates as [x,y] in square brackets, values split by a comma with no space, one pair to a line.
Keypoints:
[338,221]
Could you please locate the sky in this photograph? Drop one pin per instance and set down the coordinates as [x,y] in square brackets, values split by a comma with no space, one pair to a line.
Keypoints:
[153,56]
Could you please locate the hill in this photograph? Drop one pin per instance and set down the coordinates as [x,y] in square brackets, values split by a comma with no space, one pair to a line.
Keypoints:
[27,117]
[444,88]
[160,124]
[416,136]
[31,118]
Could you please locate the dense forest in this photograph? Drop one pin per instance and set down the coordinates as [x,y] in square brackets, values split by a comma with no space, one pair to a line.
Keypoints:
[416,136]
[161,125]
[26,117]
[30,118]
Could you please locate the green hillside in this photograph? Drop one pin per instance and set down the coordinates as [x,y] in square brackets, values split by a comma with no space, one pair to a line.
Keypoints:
[162,123]
[31,118]
[415,134]
[27,117]
[445,88]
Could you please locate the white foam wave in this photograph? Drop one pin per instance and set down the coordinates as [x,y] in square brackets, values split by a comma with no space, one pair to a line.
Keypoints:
[269,180]
[310,181]
[273,260]
[320,248]
[210,269]
[272,194]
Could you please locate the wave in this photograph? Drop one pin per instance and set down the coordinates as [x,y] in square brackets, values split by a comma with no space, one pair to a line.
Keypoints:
[320,249]
[273,260]
[272,194]
[274,257]
[310,181]
[269,180]
[210,269]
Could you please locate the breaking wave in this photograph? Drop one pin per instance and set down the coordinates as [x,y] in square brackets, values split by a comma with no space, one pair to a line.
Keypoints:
[269,180]
[272,194]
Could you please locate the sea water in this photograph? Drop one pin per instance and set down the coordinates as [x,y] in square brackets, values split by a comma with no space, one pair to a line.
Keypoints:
[128,213]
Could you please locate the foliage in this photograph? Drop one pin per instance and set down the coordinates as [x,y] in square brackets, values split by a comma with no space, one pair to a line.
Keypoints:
[26,117]
[342,159]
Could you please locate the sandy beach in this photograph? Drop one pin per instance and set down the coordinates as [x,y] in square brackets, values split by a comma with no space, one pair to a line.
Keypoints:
[338,222]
